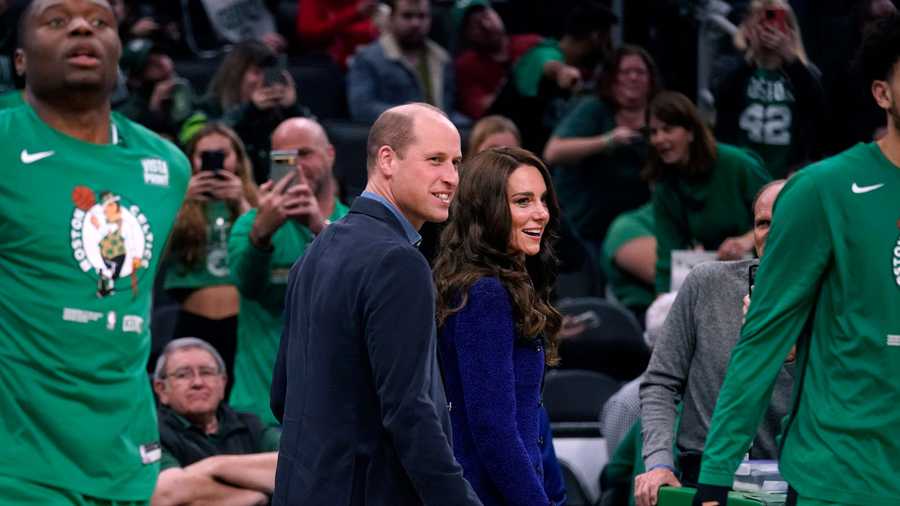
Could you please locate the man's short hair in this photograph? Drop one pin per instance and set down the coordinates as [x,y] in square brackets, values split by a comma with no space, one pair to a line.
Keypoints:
[185,343]
[394,128]
[763,189]
[880,49]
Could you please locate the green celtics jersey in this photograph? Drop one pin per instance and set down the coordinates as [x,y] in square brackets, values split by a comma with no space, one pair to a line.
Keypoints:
[10,99]
[212,269]
[261,277]
[830,282]
[767,122]
[83,227]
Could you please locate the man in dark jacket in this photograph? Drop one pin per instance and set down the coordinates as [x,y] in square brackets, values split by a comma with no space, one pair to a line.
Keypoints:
[356,385]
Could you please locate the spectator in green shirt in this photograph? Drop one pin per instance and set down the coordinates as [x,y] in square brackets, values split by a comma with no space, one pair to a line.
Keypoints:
[211,454]
[264,244]
[704,190]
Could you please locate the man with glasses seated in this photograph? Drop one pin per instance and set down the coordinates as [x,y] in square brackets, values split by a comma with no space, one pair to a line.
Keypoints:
[211,454]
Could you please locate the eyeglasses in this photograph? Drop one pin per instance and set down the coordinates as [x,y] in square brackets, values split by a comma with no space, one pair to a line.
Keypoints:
[185,374]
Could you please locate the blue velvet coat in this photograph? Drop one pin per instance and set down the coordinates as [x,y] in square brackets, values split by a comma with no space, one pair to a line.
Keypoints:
[493,381]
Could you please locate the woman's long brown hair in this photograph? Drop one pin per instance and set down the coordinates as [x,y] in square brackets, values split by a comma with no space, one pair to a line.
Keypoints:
[189,235]
[475,244]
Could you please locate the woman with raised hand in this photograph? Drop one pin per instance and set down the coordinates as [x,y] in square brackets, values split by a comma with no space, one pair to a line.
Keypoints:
[773,101]
[497,327]
[220,189]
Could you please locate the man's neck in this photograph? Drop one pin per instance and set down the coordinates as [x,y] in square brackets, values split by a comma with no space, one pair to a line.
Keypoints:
[82,117]
[379,188]
[890,144]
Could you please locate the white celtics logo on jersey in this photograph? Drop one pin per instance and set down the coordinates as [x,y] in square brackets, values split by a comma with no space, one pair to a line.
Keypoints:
[111,239]
[896,260]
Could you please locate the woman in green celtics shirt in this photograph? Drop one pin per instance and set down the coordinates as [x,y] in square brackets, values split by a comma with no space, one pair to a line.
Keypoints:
[703,192]
[772,102]
[598,149]
[220,190]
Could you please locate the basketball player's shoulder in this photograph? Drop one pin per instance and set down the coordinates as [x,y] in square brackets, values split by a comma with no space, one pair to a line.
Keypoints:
[150,144]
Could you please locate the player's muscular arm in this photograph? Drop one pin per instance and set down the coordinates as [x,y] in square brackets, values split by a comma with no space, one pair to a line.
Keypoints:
[177,486]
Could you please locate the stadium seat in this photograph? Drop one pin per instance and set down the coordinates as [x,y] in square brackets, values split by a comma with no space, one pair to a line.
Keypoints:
[574,400]
[612,344]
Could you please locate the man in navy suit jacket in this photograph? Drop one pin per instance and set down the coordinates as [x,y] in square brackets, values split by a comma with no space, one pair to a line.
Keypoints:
[357,385]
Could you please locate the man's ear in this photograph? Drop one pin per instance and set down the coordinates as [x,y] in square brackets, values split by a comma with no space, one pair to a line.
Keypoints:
[159,387]
[19,61]
[881,91]
[386,161]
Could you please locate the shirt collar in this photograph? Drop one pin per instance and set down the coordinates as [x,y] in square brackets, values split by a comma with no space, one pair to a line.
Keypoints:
[411,233]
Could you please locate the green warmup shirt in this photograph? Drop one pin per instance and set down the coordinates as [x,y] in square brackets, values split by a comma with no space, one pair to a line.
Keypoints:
[10,99]
[628,288]
[212,269]
[83,229]
[829,282]
[767,123]
[597,189]
[705,210]
[261,277]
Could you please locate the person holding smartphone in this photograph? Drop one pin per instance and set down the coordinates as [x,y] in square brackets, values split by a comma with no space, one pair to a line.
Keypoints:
[253,93]
[294,206]
[773,102]
[220,189]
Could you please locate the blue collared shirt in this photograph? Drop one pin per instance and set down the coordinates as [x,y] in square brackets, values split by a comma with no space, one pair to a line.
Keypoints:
[411,233]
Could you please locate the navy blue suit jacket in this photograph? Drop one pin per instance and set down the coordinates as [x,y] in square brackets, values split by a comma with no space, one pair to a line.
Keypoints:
[356,382]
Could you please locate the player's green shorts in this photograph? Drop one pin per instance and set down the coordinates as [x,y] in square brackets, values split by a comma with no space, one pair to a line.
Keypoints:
[16,491]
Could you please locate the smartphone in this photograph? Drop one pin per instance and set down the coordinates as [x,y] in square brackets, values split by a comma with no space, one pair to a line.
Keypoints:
[776,17]
[282,163]
[273,72]
[751,278]
[213,160]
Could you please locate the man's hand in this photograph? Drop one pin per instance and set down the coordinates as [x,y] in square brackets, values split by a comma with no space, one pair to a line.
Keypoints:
[271,212]
[303,207]
[568,77]
[162,91]
[646,485]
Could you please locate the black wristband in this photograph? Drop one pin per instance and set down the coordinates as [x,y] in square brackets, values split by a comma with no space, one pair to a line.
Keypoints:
[706,493]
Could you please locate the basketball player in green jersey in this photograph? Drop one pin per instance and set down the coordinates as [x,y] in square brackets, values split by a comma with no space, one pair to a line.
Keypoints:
[87,201]
[829,282]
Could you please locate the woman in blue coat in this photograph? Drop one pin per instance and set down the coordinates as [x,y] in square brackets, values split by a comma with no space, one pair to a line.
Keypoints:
[497,327]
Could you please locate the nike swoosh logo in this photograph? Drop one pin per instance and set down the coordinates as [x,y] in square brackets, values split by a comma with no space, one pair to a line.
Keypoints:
[34,157]
[865,189]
